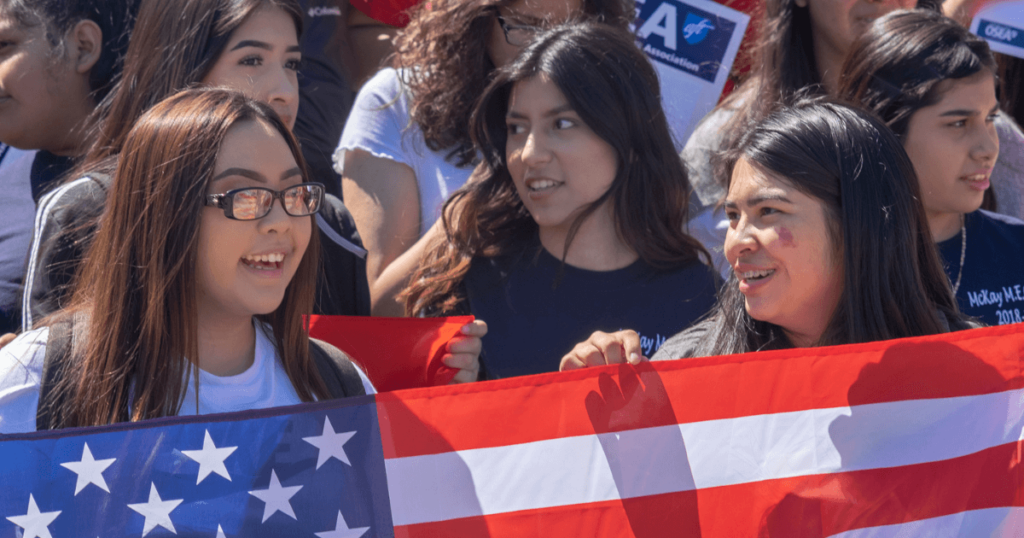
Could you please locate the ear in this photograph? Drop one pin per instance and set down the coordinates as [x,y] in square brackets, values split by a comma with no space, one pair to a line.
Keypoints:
[85,43]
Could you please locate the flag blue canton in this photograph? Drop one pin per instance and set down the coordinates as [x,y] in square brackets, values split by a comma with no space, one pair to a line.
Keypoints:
[307,470]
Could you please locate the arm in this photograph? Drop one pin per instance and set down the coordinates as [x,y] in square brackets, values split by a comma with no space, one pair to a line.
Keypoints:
[387,215]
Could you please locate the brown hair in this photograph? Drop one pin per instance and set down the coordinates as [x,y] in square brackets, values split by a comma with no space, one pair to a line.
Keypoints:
[442,55]
[137,291]
[614,88]
[174,47]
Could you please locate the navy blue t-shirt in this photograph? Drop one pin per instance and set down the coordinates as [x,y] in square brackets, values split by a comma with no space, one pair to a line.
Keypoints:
[992,286]
[534,317]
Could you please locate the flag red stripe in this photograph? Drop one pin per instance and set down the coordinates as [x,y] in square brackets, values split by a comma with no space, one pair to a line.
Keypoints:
[988,479]
[521,410]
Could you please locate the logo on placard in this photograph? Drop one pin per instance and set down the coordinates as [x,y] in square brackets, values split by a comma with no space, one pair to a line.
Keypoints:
[695,28]
[1000,32]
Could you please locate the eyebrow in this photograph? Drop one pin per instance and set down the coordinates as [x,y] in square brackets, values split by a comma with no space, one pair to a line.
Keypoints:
[253,175]
[553,112]
[262,45]
[963,112]
[757,200]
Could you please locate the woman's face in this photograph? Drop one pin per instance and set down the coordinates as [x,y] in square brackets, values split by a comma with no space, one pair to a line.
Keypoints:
[557,163]
[232,280]
[953,145]
[43,98]
[262,60]
[524,18]
[836,24]
[779,248]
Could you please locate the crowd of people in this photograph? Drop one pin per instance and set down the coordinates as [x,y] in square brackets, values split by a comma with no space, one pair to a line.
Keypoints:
[180,192]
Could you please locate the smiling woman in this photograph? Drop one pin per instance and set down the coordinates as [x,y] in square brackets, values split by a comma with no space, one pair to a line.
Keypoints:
[187,305]
[818,196]
[574,221]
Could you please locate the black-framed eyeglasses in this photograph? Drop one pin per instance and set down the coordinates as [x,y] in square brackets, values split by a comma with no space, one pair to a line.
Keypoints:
[253,203]
[517,35]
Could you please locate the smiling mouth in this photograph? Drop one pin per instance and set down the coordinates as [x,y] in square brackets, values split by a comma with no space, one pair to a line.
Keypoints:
[264,262]
[760,274]
[541,185]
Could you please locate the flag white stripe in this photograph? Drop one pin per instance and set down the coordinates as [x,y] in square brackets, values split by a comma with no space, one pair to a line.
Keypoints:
[991,522]
[584,469]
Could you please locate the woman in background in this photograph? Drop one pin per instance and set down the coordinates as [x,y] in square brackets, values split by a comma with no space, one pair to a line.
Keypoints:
[574,220]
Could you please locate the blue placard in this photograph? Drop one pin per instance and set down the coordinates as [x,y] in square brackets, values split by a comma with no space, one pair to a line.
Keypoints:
[684,37]
[1001,33]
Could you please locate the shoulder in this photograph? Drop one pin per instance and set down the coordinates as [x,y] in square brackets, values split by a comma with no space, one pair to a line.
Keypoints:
[683,345]
[337,226]
[347,372]
[84,196]
[989,222]
[384,87]
[21,367]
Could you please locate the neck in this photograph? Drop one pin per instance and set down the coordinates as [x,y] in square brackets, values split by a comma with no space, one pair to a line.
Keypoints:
[944,225]
[829,63]
[227,345]
[596,245]
[801,339]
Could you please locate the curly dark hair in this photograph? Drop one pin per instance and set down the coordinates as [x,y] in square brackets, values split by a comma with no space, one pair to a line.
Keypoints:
[608,81]
[442,56]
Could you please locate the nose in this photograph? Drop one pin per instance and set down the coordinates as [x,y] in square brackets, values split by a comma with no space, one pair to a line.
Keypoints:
[280,90]
[740,240]
[277,220]
[535,149]
[986,147]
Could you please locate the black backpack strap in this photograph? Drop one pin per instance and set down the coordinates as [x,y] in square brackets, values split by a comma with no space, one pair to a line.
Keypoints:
[58,349]
[336,369]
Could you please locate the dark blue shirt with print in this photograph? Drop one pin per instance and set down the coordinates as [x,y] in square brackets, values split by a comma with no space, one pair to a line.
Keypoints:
[992,285]
[537,309]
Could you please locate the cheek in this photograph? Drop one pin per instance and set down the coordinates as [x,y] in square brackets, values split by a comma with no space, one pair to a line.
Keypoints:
[785,237]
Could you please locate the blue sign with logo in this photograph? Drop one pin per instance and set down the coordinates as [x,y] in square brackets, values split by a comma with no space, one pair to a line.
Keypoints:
[684,37]
[1001,33]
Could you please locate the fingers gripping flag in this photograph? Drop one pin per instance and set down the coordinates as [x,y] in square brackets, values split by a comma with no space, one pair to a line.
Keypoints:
[914,437]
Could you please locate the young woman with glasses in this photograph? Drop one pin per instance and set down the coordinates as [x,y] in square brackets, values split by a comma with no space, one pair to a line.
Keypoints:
[406,145]
[191,298]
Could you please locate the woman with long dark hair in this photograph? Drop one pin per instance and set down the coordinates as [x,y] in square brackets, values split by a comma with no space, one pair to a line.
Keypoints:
[247,45]
[934,84]
[574,220]
[192,296]
[827,244]
[406,145]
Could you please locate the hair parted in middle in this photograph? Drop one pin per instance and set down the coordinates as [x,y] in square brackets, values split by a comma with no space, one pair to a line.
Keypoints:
[442,54]
[137,291]
[609,82]
[174,45]
[856,167]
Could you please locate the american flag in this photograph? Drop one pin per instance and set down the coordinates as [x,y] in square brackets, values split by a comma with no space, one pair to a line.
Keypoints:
[914,437]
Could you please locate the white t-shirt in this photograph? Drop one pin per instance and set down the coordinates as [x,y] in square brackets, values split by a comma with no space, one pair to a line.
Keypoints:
[264,384]
[379,124]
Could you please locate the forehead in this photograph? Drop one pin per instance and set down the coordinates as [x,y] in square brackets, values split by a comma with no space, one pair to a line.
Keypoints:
[976,92]
[267,23]
[537,93]
[552,10]
[254,145]
[748,179]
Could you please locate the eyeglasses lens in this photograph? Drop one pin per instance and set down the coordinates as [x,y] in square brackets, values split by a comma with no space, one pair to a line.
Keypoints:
[251,204]
[298,201]
[302,200]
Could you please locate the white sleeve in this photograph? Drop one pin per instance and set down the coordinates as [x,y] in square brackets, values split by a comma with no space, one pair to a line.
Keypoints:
[21,367]
[377,121]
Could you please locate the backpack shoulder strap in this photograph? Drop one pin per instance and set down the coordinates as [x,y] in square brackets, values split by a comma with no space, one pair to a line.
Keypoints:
[336,369]
[58,349]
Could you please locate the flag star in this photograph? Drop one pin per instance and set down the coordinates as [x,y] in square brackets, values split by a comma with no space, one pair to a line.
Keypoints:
[35,522]
[330,444]
[220,532]
[157,511]
[210,458]
[341,530]
[89,470]
[276,498]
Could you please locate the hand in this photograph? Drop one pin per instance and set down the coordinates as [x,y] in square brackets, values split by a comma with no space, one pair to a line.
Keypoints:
[604,348]
[464,352]
[6,339]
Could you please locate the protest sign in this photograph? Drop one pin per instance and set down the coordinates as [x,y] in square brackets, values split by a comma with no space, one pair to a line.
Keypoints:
[692,44]
[912,437]
[1001,23]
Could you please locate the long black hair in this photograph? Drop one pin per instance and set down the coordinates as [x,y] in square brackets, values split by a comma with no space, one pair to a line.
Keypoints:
[608,81]
[893,284]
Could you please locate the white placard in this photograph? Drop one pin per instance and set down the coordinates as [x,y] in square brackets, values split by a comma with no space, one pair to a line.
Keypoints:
[692,44]
[1002,25]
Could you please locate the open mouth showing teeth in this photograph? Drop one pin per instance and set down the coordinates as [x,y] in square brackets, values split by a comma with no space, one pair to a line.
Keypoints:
[541,185]
[757,275]
[264,262]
